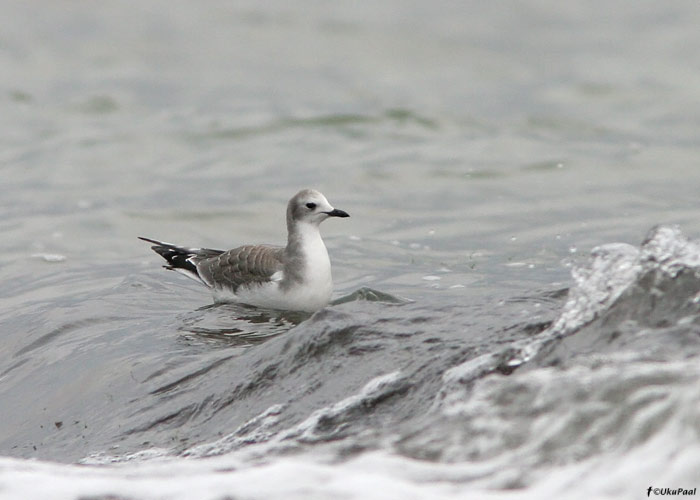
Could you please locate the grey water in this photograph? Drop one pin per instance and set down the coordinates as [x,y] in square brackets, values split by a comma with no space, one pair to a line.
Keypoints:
[517,290]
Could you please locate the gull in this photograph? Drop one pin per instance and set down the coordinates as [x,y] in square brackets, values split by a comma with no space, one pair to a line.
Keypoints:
[296,277]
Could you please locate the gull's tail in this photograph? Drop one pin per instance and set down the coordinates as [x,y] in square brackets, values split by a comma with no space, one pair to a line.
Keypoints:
[182,259]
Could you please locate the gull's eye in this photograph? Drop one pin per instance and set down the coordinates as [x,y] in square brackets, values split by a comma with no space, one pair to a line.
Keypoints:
[310,206]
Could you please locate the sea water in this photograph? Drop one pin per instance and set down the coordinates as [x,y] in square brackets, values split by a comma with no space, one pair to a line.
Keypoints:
[517,298]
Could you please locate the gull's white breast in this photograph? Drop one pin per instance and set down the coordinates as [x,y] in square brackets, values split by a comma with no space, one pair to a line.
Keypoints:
[316,286]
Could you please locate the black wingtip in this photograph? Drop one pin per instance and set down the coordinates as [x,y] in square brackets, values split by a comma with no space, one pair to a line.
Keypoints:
[150,240]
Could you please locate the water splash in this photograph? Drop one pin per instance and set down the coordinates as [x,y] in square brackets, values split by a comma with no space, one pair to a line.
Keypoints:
[616,268]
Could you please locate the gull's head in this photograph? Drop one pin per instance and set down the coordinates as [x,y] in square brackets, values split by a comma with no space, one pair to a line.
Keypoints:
[311,207]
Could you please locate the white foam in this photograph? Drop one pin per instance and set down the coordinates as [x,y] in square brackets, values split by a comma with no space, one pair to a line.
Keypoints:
[50,257]
[377,475]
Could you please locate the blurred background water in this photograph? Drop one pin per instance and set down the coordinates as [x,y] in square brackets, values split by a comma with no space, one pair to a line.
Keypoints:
[482,149]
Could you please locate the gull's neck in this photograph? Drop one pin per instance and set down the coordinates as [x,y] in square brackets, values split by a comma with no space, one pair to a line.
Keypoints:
[306,257]
[302,237]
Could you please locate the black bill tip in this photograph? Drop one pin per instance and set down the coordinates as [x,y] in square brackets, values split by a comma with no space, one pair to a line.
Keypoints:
[337,213]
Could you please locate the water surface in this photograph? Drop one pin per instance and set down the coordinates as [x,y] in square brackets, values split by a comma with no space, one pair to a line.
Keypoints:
[474,347]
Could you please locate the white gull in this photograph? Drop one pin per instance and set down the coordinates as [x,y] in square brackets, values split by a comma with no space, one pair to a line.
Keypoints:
[296,277]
